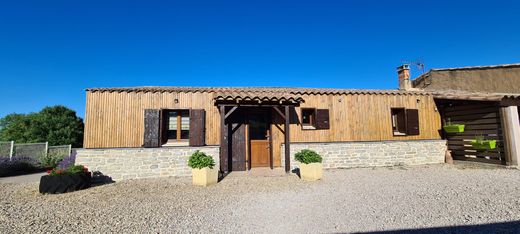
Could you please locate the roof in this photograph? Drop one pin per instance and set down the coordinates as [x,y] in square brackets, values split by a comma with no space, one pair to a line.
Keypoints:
[473,96]
[510,65]
[256,90]
[294,95]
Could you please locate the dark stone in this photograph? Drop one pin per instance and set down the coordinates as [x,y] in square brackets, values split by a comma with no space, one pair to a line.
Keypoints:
[65,183]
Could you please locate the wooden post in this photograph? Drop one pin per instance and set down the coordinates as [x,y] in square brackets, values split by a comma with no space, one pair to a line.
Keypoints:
[12,151]
[222,137]
[511,130]
[287,141]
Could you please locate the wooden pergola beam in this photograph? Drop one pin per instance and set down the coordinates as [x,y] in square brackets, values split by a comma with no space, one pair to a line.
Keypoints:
[287,141]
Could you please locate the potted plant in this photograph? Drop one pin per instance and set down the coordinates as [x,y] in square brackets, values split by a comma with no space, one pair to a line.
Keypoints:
[72,178]
[311,168]
[203,172]
[482,144]
[450,127]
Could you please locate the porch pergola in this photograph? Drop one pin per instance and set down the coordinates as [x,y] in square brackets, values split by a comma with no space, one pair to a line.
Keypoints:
[280,102]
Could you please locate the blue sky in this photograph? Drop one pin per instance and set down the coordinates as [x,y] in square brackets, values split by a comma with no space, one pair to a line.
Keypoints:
[50,51]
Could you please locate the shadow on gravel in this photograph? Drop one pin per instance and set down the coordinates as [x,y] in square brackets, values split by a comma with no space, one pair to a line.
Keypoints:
[222,175]
[99,179]
[297,172]
[505,227]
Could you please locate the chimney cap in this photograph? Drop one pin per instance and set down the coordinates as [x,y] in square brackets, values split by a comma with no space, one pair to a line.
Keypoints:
[403,67]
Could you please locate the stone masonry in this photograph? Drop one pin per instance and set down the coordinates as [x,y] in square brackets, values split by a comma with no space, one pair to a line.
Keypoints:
[373,154]
[134,163]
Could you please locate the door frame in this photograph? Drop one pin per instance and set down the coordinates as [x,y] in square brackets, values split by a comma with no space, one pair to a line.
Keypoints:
[269,113]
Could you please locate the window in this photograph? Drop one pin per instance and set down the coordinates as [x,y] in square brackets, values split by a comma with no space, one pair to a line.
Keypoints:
[405,121]
[178,125]
[309,118]
[399,121]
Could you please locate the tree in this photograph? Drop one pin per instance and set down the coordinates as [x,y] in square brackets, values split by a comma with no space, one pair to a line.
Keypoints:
[58,125]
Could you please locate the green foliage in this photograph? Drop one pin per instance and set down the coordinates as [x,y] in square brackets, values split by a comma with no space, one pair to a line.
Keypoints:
[57,125]
[51,160]
[74,169]
[307,156]
[200,160]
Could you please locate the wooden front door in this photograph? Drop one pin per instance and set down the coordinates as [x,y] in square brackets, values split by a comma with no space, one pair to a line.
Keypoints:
[259,137]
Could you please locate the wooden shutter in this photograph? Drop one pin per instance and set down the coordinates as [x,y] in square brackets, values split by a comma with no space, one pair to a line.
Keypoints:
[152,128]
[197,127]
[322,119]
[401,120]
[412,122]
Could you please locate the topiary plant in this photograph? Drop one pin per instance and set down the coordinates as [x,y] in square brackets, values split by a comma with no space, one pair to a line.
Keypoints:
[199,160]
[307,156]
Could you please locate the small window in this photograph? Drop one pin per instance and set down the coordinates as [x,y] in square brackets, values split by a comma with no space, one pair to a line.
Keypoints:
[178,125]
[399,121]
[405,122]
[309,118]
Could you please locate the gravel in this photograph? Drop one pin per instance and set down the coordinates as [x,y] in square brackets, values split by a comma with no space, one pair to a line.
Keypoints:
[354,200]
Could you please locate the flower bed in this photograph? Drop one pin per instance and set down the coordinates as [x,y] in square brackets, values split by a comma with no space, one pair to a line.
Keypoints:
[66,180]
[18,166]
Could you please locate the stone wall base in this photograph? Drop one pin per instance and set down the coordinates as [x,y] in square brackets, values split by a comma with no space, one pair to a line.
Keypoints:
[135,163]
[373,154]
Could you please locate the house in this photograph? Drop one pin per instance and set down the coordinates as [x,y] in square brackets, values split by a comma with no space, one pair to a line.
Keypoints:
[140,132]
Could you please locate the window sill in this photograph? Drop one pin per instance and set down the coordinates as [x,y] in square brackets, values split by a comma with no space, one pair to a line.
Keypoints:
[308,127]
[399,134]
[176,143]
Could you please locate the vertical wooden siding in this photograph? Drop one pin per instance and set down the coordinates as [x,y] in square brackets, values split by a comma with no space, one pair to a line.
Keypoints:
[115,119]
[361,118]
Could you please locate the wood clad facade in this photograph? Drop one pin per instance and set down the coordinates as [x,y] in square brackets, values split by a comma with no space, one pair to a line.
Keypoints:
[115,119]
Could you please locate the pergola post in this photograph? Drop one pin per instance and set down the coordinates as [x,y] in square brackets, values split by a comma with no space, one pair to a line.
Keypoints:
[511,127]
[222,137]
[287,140]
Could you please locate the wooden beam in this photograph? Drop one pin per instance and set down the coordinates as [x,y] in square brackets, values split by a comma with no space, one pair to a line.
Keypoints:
[223,141]
[279,111]
[230,112]
[287,141]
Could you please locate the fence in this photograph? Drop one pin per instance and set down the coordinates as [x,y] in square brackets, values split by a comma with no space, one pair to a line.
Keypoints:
[33,150]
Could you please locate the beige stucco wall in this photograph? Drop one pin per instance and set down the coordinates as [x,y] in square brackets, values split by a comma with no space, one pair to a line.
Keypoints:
[496,80]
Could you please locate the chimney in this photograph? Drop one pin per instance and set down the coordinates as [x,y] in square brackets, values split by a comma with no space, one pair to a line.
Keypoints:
[403,74]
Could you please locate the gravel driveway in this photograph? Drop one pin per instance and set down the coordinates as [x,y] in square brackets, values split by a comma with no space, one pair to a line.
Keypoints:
[355,200]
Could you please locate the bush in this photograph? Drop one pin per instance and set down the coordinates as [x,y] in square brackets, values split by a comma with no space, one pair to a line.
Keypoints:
[308,156]
[199,160]
[67,162]
[17,166]
[51,160]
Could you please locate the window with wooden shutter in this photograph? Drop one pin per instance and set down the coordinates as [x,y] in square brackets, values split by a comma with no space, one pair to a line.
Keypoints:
[151,128]
[405,121]
[197,122]
[322,119]
[308,118]
[398,121]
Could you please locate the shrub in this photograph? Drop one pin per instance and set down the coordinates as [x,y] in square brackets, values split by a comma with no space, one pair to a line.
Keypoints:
[199,160]
[17,166]
[51,160]
[66,162]
[307,156]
